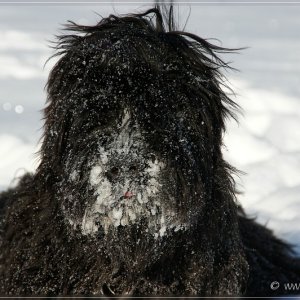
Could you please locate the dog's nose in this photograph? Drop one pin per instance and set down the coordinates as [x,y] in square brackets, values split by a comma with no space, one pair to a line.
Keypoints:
[128,195]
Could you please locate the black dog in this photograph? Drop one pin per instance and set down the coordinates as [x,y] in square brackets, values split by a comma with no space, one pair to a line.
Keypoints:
[132,195]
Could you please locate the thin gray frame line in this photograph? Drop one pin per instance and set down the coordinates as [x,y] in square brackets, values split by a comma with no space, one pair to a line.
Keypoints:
[147,2]
[158,297]
[150,2]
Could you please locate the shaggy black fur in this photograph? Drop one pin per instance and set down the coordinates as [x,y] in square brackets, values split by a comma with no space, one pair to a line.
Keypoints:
[133,106]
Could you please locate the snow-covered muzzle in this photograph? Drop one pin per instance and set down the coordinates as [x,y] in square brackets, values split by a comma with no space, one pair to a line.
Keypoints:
[127,185]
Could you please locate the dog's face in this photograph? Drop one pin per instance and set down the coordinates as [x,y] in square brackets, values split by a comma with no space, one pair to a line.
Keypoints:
[125,183]
[129,184]
[122,193]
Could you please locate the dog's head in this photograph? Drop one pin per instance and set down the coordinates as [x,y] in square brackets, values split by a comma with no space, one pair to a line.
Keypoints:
[134,127]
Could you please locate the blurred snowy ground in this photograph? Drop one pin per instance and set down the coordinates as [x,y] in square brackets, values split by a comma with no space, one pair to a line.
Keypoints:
[265,144]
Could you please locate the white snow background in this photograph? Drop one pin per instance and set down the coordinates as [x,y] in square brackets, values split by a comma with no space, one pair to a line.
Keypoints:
[266,142]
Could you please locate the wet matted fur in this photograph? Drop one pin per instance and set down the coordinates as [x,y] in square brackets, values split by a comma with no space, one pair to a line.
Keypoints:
[132,195]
